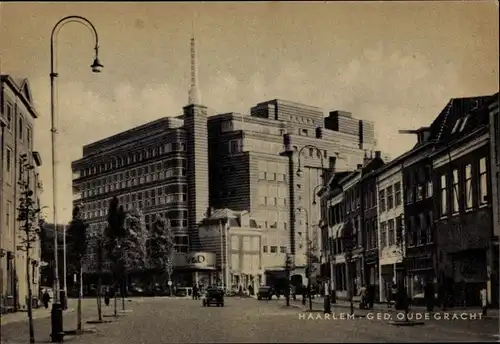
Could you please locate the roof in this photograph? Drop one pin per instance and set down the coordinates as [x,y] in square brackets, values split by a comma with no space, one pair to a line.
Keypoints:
[441,129]
[21,87]
[233,217]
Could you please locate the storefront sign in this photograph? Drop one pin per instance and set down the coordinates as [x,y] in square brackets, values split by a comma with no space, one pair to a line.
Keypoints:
[195,260]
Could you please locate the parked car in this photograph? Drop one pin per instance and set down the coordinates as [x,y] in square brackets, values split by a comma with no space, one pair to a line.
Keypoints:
[213,296]
[266,292]
[136,290]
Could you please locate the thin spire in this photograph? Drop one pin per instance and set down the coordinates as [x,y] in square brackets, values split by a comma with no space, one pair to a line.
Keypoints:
[194,94]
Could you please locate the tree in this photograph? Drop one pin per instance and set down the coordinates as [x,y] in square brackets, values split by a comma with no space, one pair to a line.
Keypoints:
[113,234]
[160,246]
[131,250]
[76,241]
[28,212]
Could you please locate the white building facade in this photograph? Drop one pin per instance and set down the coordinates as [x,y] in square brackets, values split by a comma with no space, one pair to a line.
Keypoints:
[390,217]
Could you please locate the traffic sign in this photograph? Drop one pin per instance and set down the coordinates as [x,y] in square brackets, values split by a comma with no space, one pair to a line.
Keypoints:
[169,283]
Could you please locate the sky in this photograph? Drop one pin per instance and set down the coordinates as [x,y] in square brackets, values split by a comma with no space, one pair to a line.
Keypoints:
[396,63]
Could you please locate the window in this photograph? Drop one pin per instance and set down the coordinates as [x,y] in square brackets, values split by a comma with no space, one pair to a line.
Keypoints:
[422,233]
[274,249]
[8,114]
[483,182]
[455,127]
[430,230]
[235,146]
[20,128]
[264,249]
[455,203]
[464,122]
[383,235]
[8,216]
[410,190]
[399,230]
[390,199]
[381,197]
[283,249]
[410,228]
[468,186]
[397,194]
[8,163]
[181,243]
[391,233]
[444,196]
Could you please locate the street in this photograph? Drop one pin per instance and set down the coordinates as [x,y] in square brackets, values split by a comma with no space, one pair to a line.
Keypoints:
[164,320]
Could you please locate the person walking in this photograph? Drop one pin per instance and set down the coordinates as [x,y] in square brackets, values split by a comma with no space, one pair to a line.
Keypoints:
[107,296]
[46,299]
[195,292]
[484,299]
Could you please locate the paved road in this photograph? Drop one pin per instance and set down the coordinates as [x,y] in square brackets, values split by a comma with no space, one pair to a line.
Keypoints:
[161,320]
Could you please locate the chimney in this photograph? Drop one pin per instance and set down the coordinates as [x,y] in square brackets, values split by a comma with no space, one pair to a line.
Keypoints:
[360,166]
[378,154]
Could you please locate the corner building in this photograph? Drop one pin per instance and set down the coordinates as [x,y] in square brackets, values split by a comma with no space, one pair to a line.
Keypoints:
[146,168]
[247,172]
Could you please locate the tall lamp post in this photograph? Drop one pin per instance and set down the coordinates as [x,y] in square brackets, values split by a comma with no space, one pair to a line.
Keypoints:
[308,256]
[328,284]
[57,334]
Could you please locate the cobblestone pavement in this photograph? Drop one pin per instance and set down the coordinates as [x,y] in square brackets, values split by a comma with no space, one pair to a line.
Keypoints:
[244,320]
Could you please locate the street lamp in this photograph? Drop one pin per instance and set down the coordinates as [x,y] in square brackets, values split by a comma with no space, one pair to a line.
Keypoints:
[299,172]
[56,313]
[308,256]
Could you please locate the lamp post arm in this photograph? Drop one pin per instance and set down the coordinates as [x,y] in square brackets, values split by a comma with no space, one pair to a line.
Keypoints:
[315,148]
[66,20]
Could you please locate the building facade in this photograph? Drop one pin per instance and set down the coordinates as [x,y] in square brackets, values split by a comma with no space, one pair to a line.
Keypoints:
[390,219]
[146,168]
[495,176]
[464,224]
[18,118]
[248,173]
[235,238]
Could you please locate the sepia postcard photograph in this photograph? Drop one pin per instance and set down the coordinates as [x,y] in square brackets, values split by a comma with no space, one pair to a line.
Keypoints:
[249,172]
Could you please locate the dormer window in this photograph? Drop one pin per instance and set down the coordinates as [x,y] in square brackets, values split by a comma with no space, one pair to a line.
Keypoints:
[457,124]
[464,122]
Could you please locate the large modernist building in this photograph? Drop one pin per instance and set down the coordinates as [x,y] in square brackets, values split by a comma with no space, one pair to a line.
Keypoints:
[17,123]
[179,167]
[247,172]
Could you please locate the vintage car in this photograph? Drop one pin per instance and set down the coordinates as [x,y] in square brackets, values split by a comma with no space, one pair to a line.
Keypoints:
[266,292]
[213,296]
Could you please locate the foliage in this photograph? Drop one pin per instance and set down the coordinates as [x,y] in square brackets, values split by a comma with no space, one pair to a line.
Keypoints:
[132,246]
[76,240]
[28,216]
[28,212]
[160,245]
[114,233]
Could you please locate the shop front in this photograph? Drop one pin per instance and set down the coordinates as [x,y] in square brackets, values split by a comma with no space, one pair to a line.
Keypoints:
[194,268]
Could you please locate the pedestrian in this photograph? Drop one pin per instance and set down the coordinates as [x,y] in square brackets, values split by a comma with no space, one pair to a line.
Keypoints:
[195,292]
[250,290]
[394,292]
[107,296]
[484,299]
[46,299]
[429,296]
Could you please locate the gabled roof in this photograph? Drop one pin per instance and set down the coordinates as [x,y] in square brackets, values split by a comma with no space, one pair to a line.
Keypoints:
[22,89]
[441,129]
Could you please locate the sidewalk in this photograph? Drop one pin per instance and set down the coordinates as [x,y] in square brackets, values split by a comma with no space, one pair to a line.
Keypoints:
[38,313]
[492,313]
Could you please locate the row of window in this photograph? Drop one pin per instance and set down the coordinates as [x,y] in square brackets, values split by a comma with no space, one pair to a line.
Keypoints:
[388,231]
[390,197]
[420,229]
[463,194]
[419,185]
[126,180]
[132,158]
[23,131]
[274,249]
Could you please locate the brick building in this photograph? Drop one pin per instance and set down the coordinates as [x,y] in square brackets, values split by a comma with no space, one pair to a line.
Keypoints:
[463,208]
